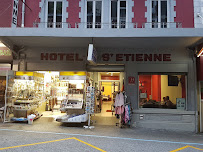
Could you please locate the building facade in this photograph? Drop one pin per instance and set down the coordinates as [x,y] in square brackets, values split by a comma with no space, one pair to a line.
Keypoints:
[152,41]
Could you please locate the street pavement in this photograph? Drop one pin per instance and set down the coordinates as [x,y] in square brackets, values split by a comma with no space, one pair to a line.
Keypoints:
[51,136]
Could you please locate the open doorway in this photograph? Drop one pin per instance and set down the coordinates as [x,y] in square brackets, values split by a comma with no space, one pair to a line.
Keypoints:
[45,94]
[107,84]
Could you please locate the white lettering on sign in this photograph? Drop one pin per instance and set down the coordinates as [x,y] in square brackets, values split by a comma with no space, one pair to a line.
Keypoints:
[15,13]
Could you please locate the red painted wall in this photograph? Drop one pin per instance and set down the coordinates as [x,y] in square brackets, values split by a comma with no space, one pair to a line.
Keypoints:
[146,81]
[156,87]
[139,10]
[73,10]
[32,15]
[185,13]
[6,7]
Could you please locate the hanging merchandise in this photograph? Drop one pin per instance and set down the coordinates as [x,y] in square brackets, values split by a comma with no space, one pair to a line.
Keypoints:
[90,102]
[122,109]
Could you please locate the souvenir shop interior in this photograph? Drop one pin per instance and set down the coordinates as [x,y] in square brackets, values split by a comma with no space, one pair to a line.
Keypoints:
[67,97]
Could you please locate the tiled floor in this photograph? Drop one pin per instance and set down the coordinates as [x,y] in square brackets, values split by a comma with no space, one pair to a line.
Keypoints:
[105,118]
[106,105]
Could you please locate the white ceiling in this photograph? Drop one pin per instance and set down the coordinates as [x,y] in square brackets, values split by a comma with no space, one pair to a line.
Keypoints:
[112,42]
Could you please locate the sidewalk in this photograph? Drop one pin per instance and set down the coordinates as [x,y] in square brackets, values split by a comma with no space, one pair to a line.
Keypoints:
[49,125]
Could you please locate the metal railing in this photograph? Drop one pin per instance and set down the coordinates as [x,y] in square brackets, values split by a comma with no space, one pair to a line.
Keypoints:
[113,25]
[162,25]
[52,25]
[91,25]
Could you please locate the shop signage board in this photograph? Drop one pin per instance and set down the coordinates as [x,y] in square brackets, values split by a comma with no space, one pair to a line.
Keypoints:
[4,51]
[72,75]
[15,13]
[5,54]
[92,54]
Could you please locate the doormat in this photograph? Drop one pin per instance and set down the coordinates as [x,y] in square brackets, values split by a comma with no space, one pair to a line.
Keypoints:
[108,111]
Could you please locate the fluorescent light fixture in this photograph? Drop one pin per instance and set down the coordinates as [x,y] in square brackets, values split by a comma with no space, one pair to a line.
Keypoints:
[2,45]
[200,53]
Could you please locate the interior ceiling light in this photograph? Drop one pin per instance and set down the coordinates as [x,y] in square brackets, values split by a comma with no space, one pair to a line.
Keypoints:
[200,53]
[2,45]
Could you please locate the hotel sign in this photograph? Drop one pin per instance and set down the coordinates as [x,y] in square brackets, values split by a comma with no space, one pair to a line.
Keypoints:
[15,13]
[136,57]
[61,56]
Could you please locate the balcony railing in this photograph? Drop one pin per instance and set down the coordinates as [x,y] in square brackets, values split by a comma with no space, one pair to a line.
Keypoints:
[162,25]
[52,24]
[123,25]
[99,25]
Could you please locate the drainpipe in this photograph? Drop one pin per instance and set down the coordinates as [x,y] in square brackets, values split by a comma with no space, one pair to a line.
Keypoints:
[23,14]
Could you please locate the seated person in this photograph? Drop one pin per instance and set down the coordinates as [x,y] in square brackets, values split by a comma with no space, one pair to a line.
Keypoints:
[168,102]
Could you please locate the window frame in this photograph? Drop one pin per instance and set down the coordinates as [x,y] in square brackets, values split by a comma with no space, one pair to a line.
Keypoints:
[94,14]
[54,18]
[164,73]
[159,13]
[118,14]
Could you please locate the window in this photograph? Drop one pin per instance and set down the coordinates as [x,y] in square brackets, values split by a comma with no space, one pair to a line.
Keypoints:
[94,14]
[118,14]
[162,91]
[159,13]
[54,14]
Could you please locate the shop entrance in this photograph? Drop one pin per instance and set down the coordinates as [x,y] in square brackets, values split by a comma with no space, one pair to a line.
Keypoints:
[63,96]
[107,84]
[44,94]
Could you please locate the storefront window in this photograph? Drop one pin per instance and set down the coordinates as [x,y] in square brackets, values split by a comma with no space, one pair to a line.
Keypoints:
[162,91]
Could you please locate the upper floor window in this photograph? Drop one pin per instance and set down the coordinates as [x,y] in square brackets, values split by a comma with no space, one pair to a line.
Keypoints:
[54,14]
[94,14]
[118,14]
[159,13]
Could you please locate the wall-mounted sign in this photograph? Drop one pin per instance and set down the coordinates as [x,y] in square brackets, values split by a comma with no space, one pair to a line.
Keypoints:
[92,54]
[61,56]
[5,55]
[15,13]
[180,103]
[5,52]
[72,75]
[136,57]
[131,80]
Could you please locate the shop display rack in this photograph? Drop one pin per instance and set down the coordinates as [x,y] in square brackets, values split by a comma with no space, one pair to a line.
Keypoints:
[90,103]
